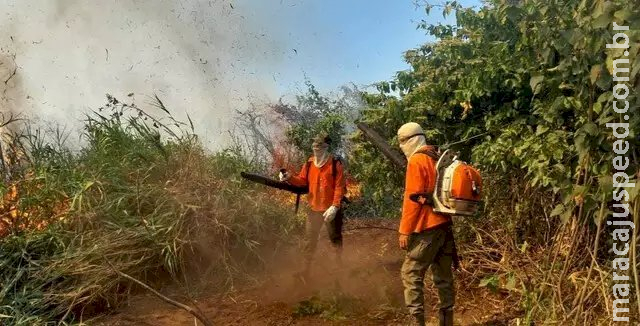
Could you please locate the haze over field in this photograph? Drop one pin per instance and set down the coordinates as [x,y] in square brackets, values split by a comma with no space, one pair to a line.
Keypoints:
[207,58]
[202,57]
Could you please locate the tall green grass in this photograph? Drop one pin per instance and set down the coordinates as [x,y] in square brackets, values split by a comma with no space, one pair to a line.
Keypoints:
[142,194]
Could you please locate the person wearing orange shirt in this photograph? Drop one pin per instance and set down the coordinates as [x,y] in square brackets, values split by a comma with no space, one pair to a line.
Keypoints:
[426,236]
[326,191]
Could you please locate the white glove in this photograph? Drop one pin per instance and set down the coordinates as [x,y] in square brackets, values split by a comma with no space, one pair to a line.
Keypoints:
[330,213]
[283,176]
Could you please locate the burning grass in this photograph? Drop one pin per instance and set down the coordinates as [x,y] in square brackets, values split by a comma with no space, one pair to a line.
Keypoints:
[141,194]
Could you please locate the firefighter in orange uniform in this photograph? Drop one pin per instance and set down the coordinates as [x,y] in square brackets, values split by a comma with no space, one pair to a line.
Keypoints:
[324,175]
[426,236]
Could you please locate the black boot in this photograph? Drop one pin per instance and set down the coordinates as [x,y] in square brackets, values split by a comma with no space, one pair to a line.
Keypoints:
[446,317]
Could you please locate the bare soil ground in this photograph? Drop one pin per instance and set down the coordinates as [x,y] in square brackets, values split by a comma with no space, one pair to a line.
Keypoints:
[366,290]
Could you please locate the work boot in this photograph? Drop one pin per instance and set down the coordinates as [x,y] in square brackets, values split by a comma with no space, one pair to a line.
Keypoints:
[446,317]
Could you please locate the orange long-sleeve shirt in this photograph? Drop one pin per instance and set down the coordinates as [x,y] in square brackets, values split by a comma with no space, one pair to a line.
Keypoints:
[421,177]
[323,190]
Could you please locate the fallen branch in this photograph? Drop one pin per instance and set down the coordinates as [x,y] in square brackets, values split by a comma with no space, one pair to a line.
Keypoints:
[190,310]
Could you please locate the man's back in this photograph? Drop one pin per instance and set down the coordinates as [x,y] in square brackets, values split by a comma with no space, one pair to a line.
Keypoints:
[420,177]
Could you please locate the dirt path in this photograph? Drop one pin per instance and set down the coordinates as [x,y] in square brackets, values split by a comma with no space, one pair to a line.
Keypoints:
[365,291]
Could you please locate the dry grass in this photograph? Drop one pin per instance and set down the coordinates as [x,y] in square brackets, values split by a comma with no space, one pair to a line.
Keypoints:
[150,199]
[556,271]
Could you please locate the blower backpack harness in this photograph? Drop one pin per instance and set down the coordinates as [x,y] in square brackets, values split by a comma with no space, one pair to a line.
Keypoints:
[457,190]
[458,186]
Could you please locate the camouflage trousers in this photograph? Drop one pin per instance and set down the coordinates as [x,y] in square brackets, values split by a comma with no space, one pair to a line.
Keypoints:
[314,224]
[432,248]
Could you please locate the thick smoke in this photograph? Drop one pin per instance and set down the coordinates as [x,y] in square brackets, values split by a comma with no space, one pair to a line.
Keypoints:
[201,57]
[10,85]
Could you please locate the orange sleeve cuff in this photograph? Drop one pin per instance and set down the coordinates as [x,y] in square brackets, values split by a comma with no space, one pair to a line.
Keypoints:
[300,180]
[297,181]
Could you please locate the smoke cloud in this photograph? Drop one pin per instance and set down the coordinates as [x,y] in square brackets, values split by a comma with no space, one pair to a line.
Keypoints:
[204,58]
[9,83]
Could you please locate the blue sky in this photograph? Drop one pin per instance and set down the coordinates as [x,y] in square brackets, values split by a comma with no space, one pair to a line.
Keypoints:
[205,58]
[340,41]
